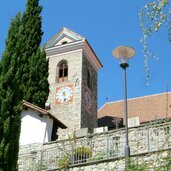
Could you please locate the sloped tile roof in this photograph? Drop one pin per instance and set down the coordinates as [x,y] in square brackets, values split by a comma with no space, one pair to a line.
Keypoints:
[147,108]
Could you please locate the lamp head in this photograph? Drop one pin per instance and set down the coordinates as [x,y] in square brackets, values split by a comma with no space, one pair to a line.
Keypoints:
[123,54]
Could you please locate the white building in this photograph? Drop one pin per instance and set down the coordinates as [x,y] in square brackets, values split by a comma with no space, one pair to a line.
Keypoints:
[38,125]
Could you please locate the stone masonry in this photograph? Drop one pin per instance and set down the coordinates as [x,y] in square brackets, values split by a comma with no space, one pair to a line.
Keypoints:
[83,65]
[68,113]
[149,143]
[89,118]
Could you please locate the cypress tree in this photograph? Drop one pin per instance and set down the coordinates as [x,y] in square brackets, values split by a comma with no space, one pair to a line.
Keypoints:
[37,86]
[9,110]
[34,70]
[23,76]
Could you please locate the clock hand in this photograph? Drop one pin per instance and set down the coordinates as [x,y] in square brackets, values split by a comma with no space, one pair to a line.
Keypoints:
[64,94]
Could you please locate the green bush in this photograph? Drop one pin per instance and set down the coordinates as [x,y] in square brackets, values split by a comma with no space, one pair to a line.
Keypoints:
[82,153]
[100,155]
[64,162]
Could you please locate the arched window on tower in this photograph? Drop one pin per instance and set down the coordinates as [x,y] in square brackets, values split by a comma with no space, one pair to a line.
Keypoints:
[62,72]
[88,79]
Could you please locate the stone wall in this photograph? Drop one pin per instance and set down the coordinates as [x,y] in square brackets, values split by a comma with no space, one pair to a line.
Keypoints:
[68,113]
[89,116]
[150,162]
[150,143]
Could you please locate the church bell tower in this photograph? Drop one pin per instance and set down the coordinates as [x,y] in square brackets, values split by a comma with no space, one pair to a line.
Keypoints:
[73,68]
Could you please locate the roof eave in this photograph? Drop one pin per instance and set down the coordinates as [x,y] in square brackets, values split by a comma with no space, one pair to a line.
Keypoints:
[42,111]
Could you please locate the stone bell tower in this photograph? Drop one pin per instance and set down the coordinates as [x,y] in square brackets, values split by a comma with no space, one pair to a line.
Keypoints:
[73,67]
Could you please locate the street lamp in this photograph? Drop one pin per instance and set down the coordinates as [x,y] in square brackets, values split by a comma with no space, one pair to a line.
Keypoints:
[123,54]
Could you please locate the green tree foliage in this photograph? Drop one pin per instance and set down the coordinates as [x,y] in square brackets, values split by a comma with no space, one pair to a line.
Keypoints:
[37,87]
[34,70]
[23,76]
[9,112]
[152,16]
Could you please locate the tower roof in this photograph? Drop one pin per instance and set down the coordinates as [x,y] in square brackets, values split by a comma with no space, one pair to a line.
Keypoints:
[63,36]
[66,41]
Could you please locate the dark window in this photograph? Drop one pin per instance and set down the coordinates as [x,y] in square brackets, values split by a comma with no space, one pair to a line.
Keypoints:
[54,135]
[88,79]
[64,42]
[63,72]
[60,73]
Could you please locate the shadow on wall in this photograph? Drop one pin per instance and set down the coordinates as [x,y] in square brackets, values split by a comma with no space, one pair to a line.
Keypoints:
[111,122]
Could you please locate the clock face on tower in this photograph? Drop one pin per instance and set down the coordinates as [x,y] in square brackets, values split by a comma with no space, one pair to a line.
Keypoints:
[88,100]
[64,94]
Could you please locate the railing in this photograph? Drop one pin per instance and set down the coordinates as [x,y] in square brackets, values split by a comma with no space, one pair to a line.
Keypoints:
[98,147]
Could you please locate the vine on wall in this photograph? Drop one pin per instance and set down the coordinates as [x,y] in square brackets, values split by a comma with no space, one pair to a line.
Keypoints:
[152,16]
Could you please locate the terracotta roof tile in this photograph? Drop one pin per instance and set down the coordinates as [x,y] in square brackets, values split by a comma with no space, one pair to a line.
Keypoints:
[147,108]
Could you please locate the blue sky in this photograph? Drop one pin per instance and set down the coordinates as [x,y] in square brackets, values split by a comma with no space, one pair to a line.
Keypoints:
[106,24]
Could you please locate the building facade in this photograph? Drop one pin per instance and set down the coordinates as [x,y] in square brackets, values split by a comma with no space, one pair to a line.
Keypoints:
[37,125]
[73,68]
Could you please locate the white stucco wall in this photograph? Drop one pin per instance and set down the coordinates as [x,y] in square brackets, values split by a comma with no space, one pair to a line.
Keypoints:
[34,128]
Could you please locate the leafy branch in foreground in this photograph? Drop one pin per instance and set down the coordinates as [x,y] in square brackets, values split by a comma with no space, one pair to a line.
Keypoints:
[152,16]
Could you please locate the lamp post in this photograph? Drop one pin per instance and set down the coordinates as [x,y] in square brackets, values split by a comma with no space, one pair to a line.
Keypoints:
[123,54]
